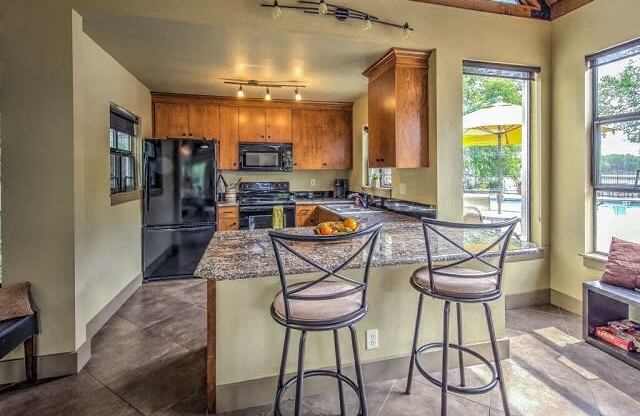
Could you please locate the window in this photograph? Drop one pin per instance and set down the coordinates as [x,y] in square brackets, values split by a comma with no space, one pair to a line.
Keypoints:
[495,143]
[122,134]
[616,144]
[381,175]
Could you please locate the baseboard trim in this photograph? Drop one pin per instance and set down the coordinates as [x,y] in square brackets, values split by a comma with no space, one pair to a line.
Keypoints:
[242,395]
[58,365]
[566,302]
[528,299]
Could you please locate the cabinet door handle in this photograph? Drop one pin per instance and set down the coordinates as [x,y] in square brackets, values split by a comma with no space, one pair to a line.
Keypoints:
[184,134]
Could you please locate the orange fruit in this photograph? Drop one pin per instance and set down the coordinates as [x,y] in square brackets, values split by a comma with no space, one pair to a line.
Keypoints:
[324,229]
[350,223]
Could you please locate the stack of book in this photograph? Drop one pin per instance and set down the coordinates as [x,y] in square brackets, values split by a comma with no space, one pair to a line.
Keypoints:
[623,334]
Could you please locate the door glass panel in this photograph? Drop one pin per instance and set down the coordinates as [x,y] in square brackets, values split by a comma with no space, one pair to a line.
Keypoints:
[617,215]
[260,159]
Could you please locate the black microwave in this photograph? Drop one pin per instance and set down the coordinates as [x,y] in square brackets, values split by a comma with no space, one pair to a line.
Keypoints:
[266,157]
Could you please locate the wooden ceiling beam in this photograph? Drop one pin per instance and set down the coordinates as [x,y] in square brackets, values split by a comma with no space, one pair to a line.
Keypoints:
[519,10]
[562,7]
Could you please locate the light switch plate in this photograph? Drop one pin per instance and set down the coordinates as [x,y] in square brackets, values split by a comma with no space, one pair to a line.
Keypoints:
[314,182]
[403,189]
[372,338]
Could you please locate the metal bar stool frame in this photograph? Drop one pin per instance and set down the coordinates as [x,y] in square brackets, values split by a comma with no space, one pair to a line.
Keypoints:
[291,292]
[430,226]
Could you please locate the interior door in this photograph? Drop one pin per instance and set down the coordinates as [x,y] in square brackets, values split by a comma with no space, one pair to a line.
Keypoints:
[252,124]
[228,138]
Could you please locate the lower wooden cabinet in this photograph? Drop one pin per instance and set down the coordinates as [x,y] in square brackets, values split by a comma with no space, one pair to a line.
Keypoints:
[228,218]
[326,216]
[306,215]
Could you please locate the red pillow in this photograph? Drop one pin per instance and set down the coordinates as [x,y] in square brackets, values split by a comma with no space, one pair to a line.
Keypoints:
[623,266]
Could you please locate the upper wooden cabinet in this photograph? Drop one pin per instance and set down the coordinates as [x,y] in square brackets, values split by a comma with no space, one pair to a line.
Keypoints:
[278,125]
[320,131]
[252,124]
[228,138]
[398,109]
[335,147]
[204,121]
[170,120]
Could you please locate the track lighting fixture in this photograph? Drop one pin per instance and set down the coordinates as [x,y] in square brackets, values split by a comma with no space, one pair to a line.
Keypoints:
[267,96]
[241,83]
[298,96]
[341,13]
[277,11]
[240,92]
[323,9]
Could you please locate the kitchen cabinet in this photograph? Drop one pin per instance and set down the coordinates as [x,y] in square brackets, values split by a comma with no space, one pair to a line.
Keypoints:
[228,159]
[326,216]
[204,121]
[306,215]
[307,128]
[398,110]
[170,120]
[335,147]
[252,124]
[278,125]
[228,218]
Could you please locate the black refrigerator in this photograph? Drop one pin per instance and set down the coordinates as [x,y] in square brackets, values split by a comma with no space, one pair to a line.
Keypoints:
[179,205]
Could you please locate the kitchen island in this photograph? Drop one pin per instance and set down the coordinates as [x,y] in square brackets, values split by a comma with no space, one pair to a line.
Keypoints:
[244,343]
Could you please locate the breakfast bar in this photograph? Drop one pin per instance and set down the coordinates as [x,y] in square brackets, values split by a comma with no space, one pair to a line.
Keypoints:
[243,341]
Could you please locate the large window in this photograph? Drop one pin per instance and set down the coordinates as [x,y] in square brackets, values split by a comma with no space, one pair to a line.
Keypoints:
[122,133]
[616,144]
[496,143]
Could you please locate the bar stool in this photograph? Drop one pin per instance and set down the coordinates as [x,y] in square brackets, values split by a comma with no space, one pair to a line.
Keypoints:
[476,278]
[328,303]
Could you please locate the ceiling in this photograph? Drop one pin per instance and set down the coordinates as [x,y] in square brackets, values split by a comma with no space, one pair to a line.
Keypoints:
[186,54]
[186,47]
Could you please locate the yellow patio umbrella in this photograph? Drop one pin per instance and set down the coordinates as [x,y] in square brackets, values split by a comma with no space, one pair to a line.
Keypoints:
[498,125]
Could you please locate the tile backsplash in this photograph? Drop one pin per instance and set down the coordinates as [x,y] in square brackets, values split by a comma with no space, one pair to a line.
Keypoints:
[305,180]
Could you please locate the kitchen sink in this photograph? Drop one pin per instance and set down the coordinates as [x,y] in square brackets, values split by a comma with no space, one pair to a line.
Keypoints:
[350,209]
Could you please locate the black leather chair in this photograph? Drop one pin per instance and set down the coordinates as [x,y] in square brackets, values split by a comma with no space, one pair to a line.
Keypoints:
[16,331]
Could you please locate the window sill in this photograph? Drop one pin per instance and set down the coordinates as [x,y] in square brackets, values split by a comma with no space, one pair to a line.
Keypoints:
[377,191]
[594,261]
[124,197]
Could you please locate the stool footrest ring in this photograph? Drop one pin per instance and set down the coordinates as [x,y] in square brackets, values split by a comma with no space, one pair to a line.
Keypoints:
[313,373]
[458,389]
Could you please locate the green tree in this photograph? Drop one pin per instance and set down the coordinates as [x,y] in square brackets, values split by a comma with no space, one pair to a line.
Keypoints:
[481,161]
[620,94]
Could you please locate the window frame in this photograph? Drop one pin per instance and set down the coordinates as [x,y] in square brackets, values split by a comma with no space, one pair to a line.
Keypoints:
[121,154]
[527,75]
[596,135]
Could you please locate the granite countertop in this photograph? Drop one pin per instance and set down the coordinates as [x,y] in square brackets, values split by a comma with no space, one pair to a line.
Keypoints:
[249,254]
[227,204]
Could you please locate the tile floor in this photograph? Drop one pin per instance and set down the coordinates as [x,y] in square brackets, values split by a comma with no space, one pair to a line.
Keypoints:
[149,360]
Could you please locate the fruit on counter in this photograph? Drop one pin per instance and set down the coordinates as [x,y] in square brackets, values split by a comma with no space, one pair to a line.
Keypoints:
[349,225]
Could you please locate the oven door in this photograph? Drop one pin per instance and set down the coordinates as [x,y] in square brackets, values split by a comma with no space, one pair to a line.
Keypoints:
[261,216]
[260,157]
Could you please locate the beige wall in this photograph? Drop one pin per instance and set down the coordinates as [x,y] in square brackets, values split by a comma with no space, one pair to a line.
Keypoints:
[594,27]
[37,165]
[59,229]
[107,238]
[298,181]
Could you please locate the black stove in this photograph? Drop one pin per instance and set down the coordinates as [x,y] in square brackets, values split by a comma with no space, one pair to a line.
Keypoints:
[257,201]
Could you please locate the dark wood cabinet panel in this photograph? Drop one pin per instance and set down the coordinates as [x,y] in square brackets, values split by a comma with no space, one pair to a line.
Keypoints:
[170,120]
[398,109]
[278,127]
[252,124]
[228,138]
[204,121]
[306,141]
[335,148]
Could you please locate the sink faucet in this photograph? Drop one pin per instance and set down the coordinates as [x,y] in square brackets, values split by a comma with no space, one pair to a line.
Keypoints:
[358,198]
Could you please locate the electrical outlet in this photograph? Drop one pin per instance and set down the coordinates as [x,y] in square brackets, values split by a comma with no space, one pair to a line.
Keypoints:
[314,182]
[372,338]
[403,189]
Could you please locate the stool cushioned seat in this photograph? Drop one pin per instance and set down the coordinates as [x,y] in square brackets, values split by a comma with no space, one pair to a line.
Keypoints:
[319,310]
[14,332]
[466,284]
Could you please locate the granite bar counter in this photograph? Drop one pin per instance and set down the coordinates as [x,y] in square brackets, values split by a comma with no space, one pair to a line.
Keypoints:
[244,343]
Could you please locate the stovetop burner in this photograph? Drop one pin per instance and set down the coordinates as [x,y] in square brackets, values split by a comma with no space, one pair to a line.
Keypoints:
[265,193]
